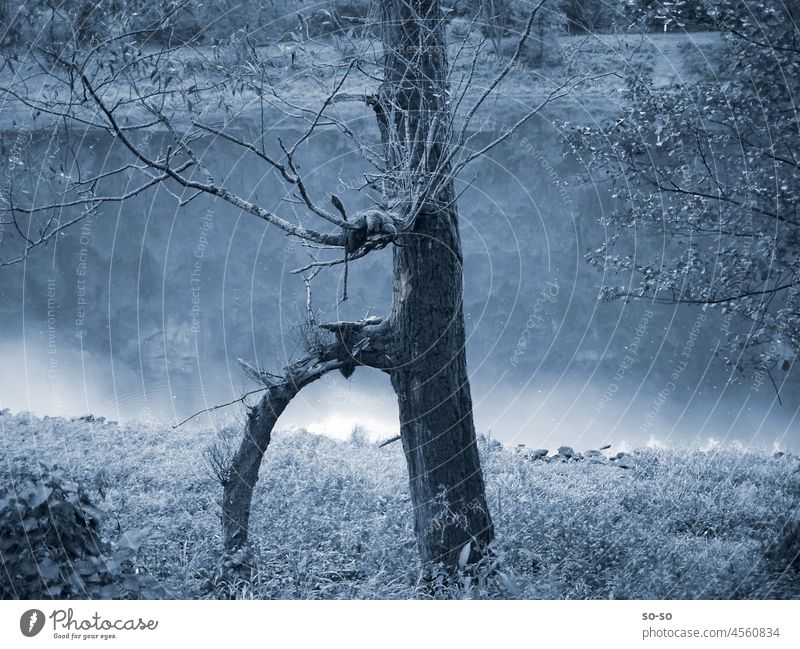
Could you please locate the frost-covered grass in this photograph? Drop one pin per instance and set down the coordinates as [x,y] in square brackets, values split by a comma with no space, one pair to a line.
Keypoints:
[332,519]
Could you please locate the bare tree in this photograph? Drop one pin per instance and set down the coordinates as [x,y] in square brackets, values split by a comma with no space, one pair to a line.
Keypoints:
[119,86]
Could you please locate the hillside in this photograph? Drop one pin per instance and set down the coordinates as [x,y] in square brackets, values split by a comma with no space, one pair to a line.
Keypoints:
[332,519]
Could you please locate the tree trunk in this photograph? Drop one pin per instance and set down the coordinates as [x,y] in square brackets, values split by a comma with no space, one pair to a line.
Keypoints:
[436,425]
[422,344]
[238,490]
[427,320]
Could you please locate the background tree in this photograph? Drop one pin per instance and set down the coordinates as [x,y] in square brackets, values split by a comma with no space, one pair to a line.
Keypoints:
[118,82]
[502,22]
[712,171]
[592,16]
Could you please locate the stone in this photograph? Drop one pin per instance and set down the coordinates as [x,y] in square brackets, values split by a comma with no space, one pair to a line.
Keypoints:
[596,456]
[566,451]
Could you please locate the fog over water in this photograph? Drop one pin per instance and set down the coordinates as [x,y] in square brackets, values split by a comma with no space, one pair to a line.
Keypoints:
[142,312]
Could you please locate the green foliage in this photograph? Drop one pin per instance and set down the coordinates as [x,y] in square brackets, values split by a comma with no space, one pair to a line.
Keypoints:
[51,544]
[678,524]
[333,519]
[669,15]
[711,170]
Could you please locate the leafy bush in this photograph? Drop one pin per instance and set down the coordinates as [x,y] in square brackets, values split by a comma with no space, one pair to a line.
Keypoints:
[689,181]
[51,545]
[678,15]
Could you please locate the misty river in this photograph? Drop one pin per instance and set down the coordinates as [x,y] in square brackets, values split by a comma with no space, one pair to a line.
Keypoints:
[142,311]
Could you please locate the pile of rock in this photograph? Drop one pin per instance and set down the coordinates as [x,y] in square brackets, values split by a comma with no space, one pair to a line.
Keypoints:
[567,454]
[623,460]
[539,454]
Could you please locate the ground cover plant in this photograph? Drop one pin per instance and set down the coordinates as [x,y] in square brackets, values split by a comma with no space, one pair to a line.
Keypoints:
[331,518]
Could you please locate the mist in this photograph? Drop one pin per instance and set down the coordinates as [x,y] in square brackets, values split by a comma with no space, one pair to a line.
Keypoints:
[143,311]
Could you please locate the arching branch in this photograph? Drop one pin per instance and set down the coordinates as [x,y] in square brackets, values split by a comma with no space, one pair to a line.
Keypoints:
[348,344]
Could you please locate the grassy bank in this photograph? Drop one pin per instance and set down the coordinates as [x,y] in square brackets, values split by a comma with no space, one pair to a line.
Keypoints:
[332,519]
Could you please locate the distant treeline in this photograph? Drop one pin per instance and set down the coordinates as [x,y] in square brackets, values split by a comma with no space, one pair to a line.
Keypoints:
[162,21]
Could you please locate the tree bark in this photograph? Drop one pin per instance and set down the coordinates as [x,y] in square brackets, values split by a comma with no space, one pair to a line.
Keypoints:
[427,320]
[436,424]
[348,344]
[238,490]
[422,344]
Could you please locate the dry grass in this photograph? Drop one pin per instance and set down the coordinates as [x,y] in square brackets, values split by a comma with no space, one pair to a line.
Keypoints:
[332,519]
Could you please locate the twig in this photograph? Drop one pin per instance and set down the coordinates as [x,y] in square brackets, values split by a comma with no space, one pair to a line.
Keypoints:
[220,405]
[389,441]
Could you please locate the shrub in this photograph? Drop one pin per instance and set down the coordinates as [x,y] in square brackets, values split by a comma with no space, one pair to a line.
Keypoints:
[219,454]
[51,544]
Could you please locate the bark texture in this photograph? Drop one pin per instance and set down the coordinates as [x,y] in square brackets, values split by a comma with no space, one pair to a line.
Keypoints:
[348,344]
[238,491]
[427,320]
[422,343]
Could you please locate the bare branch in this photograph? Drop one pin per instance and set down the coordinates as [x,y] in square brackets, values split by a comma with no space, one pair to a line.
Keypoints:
[391,440]
[559,92]
[208,188]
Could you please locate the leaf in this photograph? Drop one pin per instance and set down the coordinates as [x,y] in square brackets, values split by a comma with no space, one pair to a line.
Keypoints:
[49,569]
[464,556]
[76,582]
[30,524]
[40,494]
[133,539]
[93,513]
[510,585]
